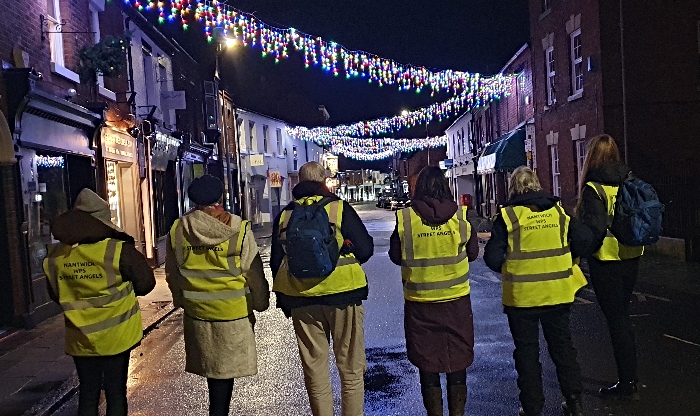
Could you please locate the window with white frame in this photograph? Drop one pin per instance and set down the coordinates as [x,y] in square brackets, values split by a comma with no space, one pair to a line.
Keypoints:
[546,5]
[279,142]
[240,134]
[549,60]
[556,186]
[266,138]
[252,142]
[576,62]
[580,155]
[53,16]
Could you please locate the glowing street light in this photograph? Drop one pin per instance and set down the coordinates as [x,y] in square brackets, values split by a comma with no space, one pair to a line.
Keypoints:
[230,42]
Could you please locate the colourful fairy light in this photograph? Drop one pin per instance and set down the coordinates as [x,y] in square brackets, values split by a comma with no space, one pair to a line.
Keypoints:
[330,56]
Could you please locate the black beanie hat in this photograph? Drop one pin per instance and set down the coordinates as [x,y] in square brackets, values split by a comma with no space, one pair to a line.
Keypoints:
[205,190]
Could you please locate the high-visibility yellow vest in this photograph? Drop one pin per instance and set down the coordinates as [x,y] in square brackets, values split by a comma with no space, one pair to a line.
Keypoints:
[101,311]
[347,275]
[539,269]
[213,287]
[434,263]
[611,248]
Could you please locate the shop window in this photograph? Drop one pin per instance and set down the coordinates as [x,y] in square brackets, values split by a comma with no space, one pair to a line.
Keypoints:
[113,196]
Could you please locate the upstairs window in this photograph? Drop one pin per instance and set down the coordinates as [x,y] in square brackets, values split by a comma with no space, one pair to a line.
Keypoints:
[53,17]
[266,134]
[576,63]
[580,155]
[279,142]
[551,76]
[252,142]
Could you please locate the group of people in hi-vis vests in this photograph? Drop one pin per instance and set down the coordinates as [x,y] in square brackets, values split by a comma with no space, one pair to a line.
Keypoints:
[215,274]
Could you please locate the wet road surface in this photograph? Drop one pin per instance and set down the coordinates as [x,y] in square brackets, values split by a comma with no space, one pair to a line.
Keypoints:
[669,368]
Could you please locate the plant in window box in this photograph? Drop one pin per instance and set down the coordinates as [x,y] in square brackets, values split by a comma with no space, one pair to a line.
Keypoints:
[106,58]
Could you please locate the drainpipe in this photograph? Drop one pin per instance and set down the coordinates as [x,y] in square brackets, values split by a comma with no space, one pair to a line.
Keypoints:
[624,88]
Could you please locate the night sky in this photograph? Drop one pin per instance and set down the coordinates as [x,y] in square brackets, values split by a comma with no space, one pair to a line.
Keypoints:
[469,35]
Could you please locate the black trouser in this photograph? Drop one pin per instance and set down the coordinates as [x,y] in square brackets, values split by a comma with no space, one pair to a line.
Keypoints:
[220,392]
[613,283]
[524,325]
[433,379]
[109,372]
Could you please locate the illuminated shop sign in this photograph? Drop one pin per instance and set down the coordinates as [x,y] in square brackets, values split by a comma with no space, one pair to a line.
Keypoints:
[117,146]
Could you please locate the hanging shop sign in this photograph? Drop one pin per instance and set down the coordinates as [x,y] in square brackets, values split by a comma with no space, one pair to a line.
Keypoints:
[164,150]
[117,145]
[173,100]
[275,179]
[256,160]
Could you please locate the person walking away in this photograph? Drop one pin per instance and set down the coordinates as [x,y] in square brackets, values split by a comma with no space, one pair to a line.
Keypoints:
[95,273]
[433,243]
[215,274]
[533,245]
[613,266]
[324,307]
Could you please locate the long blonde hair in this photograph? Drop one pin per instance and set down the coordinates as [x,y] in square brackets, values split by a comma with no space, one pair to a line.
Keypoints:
[522,181]
[601,150]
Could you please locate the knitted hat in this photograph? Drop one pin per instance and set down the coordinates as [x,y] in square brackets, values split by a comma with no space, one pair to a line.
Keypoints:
[91,203]
[205,190]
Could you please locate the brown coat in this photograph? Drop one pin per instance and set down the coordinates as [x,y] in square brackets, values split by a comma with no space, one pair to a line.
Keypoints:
[226,349]
[439,335]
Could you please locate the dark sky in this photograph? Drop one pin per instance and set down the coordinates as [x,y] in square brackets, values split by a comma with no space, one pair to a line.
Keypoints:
[469,35]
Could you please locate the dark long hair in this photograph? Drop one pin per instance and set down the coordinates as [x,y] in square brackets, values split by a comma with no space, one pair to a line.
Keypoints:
[432,183]
[602,150]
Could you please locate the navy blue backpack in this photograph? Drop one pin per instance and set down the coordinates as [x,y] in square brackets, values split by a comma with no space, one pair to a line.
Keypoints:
[638,213]
[311,247]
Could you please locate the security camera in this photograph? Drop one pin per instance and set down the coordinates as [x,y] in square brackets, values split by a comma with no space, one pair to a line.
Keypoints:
[71,93]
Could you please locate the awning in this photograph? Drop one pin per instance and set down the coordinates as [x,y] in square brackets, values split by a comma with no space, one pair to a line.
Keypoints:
[506,154]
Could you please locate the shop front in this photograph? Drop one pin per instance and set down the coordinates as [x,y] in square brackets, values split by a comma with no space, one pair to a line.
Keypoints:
[193,159]
[53,141]
[163,198]
[122,180]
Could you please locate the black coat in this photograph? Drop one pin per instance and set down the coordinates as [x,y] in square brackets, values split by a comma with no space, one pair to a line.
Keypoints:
[592,211]
[580,237]
[352,228]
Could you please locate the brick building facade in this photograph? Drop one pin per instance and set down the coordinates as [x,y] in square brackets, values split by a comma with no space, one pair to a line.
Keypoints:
[634,73]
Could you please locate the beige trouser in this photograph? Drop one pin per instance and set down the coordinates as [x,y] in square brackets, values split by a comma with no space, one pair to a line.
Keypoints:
[314,325]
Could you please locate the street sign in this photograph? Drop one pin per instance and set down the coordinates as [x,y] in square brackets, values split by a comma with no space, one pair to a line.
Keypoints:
[256,160]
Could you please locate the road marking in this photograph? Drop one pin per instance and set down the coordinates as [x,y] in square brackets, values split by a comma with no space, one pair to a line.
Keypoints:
[582,300]
[644,295]
[640,315]
[681,340]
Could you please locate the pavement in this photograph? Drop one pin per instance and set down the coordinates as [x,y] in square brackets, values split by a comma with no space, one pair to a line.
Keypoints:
[37,377]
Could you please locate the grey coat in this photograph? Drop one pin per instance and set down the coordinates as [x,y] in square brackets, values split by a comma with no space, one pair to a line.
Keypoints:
[225,349]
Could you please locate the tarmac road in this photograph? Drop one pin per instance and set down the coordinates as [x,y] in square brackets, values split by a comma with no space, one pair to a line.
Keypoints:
[665,315]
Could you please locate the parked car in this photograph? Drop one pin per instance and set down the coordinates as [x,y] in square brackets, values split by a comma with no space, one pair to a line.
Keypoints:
[381,201]
[400,201]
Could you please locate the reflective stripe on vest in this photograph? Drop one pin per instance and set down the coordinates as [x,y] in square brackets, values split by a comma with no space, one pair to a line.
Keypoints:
[434,261]
[101,310]
[347,275]
[611,248]
[539,269]
[214,288]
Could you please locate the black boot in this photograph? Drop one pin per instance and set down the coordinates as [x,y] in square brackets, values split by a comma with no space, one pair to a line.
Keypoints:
[621,391]
[456,399]
[432,400]
[573,406]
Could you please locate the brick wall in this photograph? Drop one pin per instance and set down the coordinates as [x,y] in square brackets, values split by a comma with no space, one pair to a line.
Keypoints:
[21,30]
[554,122]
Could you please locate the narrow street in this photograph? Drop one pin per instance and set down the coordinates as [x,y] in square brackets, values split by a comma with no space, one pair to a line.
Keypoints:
[669,368]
